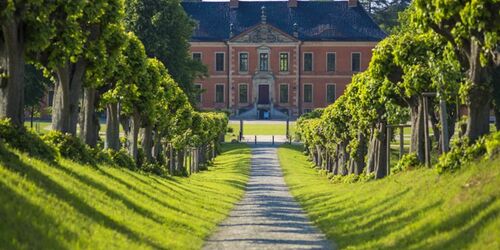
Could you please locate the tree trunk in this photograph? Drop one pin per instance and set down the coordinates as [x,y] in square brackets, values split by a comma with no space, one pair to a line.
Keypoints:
[157,147]
[370,165]
[343,158]
[180,161]
[67,95]
[479,97]
[112,127]
[377,156]
[134,124]
[12,63]
[359,160]
[417,145]
[89,123]
[147,142]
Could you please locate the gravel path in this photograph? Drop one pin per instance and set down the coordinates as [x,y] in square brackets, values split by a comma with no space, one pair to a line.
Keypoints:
[267,217]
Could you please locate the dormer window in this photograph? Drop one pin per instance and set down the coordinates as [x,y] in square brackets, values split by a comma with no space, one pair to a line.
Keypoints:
[264,61]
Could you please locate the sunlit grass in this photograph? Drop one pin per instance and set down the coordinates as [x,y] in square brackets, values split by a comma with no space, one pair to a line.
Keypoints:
[68,205]
[413,210]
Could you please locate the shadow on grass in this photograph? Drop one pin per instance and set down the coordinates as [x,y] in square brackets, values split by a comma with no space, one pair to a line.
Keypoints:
[24,224]
[13,163]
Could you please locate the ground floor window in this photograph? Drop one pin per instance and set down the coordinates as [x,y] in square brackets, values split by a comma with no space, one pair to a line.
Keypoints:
[197,88]
[330,93]
[308,93]
[284,93]
[219,93]
[243,91]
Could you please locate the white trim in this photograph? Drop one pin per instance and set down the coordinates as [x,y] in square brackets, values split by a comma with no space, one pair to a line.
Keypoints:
[304,93]
[288,93]
[287,64]
[197,52]
[304,61]
[360,55]
[239,62]
[223,93]
[335,93]
[239,90]
[223,62]
[326,64]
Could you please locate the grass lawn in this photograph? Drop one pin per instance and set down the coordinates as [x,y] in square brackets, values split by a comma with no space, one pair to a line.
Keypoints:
[71,206]
[413,210]
[259,129]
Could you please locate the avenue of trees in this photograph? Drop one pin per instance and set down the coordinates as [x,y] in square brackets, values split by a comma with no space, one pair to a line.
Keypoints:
[129,60]
[448,48]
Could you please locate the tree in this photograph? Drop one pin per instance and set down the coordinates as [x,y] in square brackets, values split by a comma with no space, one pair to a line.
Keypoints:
[472,28]
[165,29]
[385,12]
[25,27]
[35,89]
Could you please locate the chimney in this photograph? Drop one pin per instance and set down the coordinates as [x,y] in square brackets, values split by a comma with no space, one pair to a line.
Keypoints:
[352,3]
[233,4]
[292,3]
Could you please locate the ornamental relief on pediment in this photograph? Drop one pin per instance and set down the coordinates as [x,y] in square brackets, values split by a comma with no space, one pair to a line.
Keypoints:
[263,34]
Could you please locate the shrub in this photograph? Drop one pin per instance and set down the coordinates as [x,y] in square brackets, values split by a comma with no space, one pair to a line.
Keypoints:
[352,178]
[121,158]
[26,141]
[408,161]
[460,154]
[155,168]
[492,145]
[70,147]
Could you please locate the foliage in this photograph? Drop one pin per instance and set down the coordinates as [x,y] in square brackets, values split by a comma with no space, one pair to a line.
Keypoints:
[26,141]
[121,158]
[414,210]
[460,154]
[36,86]
[165,29]
[70,147]
[407,162]
[385,12]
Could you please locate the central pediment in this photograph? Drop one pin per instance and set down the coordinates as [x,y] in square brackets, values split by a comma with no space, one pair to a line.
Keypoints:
[263,33]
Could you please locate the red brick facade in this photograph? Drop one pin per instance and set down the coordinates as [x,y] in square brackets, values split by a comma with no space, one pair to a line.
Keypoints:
[295,77]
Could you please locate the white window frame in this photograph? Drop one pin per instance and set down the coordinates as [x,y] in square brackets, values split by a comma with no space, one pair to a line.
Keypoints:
[279,61]
[304,92]
[326,92]
[223,63]
[360,56]
[326,62]
[223,93]
[239,61]
[304,61]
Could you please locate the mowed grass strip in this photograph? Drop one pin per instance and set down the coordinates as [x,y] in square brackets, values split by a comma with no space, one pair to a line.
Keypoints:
[418,209]
[74,206]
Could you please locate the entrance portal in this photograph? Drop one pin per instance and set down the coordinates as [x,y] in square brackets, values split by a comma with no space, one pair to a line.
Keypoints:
[263,94]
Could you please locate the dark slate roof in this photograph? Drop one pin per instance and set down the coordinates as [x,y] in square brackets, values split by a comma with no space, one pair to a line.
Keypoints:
[316,20]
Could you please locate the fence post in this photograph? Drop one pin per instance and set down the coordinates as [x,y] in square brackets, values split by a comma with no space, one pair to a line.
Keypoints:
[287,128]
[444,125]
[388,153]
[401,141]
[426,132]
[241,130]
[255,139]
[273,140]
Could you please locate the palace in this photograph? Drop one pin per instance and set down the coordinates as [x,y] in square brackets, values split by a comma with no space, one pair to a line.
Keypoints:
[279,59]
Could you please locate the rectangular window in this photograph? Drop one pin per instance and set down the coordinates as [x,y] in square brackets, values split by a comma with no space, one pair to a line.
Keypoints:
[330,62]
[243,62]
[243,93]
[197,56]
[264,62]
[308,93]
[356,61]
[330,93]
[308,62]
[307,111]
[219,93]
[197,89]
[284,62]
[284,93]
[219,61]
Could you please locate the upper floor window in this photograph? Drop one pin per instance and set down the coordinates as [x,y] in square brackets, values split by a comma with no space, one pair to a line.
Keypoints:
[219,61]
[330,62]
[264,62]
[330,93]
[308,61]
[356,62]
[308,93]
[243,62]
[219,93]
[284,62]
[197,56]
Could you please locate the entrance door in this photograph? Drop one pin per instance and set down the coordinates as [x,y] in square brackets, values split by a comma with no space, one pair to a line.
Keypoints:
[263,94]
